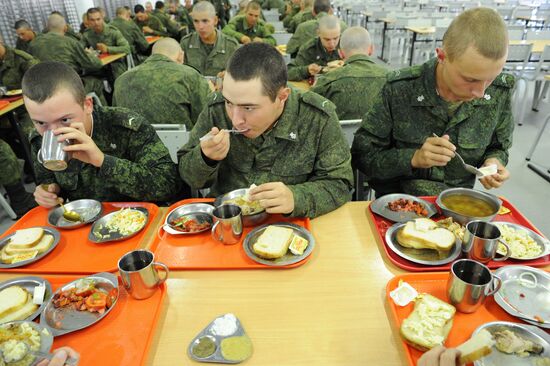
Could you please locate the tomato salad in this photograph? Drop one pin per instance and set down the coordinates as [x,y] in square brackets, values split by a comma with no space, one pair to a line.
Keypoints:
[85,296]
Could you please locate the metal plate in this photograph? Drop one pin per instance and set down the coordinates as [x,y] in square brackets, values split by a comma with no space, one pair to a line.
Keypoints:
[99,227]
[65,320]
[288,258]
[427,257]
[543,243]
[89,211]
[48,230]
[197,211]
[46,337]
[217,356]
[29,283]
[380,207]
[518,300]
[254,219]
[497,358]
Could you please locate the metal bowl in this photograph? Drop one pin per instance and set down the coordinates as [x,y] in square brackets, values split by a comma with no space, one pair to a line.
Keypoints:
[198,211]
[464,219]
[248,220]
[89,210]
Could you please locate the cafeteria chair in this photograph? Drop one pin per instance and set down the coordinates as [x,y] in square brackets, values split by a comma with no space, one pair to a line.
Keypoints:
[282,38]
[361,192]
[6,206]
[173,136]
[279,27]
[516,64]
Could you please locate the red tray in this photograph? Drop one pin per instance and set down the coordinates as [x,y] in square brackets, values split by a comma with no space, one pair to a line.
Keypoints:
[200,251]
[75,254]
[514,216]
[123,337]
[463,324]
[10,99]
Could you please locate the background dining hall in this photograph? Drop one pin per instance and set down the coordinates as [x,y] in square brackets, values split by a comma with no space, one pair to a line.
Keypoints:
[274,182]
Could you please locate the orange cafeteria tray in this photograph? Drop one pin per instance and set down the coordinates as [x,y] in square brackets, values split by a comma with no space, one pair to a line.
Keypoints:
[200,251]
[123,337]
[75,253]
[463,325]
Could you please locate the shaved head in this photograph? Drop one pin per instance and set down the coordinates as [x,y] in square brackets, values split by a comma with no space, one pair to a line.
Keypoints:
[56,23]
[355,40]
[168,47]
[205,7]
[329,22]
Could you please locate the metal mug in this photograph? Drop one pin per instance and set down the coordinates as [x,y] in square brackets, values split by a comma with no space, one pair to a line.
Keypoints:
[139,273]
[481,241]
[228,226]
[469,283]
[51,154]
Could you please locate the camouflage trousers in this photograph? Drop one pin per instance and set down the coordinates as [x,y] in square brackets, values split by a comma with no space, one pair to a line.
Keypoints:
[9,166]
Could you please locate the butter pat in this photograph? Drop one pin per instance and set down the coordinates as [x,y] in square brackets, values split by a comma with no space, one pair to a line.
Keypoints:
[489,170]
[38,295]
[403,294]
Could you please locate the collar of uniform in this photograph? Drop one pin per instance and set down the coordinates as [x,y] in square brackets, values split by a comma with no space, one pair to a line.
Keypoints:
[358,58]
[321,14]
[156,58]
[219,46]
[285,126]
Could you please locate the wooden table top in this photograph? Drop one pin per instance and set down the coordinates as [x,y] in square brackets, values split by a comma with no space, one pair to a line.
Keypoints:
[538,44]
[111,58]
[12,106]
[421,30]
[152,39]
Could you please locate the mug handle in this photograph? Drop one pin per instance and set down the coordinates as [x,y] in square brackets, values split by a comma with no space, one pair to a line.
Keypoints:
[498,281]
[508,252]
[215,235]
[39,156]
[166,270]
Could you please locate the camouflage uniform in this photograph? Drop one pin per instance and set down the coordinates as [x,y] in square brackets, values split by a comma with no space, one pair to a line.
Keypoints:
[55,47]
[295,9]
[155,24]
[115,41]
[301,17]
[183,17]
[238,28]
[353,87]
[275,4]
[312,52]
[305,150]
[208,64]
[306,31]
[170,26]
[409,110]
[131,32]
[163,91]
[68,33]
[13,67]
[222,10]
[137,165]
[11,171]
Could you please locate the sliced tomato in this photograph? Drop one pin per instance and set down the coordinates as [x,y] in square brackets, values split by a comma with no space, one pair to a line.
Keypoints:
[96,301]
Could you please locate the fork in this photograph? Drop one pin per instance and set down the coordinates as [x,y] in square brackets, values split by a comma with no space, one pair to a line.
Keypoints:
[469,168]
[209,136]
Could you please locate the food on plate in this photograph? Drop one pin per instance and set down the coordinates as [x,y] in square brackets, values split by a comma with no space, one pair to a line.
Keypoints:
[13,92]
[298,245]
[333,65]
[205,347]
[85,296]
[407,205]
[504,210]
[10,337]
[429,324]
[476,347]
[467,205]
[189,225]
[237,348]
[453,227]
[247,206]
[273,243]
[16,303]
[511,343]
[425,234]
[26,244]
[521,244]
[125,222]
[541,361]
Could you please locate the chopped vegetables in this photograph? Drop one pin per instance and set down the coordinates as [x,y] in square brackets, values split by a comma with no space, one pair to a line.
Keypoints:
[189,225]
[404,205]
[85,296]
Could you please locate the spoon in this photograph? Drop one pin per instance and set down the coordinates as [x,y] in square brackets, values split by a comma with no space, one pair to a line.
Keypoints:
[69,215]
[469,168]
[40,355]
[209,136]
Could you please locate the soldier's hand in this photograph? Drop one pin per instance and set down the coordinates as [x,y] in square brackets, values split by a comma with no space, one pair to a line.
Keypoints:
[440,356]
[147,29]
[102,47]
[245,39]
[275,197]
[46,194]
[83,148]
[221,74]
[60,357]
[436,151]
[217,147]
[495,180]
[258,39]
[314,69]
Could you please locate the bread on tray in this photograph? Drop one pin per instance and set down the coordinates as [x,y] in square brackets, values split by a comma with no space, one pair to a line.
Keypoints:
[26,238]
[425,234]
[26,244]
[476,347]
[273,242]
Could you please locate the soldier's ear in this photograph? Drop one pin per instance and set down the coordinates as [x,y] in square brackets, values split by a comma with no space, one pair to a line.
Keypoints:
[88,105]
[283,94]
[441,56]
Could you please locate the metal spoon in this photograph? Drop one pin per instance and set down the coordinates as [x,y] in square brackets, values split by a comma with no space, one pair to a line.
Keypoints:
[469,168]
[69,215]
[40,355]
[209,136]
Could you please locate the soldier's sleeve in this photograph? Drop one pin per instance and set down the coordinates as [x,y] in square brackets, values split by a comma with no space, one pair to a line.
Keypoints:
[298,68]
[121,44]
[140,41]
[501,141]
[295,42]
[231,30]
[372,151]
[87,61]
[267,35]
[84,41]
[330,184]
[150,175]
[192,167]
[199,97]
[158,29]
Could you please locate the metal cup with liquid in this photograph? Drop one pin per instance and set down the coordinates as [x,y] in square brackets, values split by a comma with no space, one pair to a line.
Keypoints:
[51,154]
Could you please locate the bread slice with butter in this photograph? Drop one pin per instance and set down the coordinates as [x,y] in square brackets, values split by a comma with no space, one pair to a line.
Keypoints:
[12,299]
[476,347]
[429,324]
[41,246]
[273,243]
[22,310]
[425,234]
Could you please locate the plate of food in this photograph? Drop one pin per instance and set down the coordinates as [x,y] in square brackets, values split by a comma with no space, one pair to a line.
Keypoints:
[253,213]
[399,207]
[36,338]
[119,225]
[524,243]
[89,211]
[525,294]
[80,303]
[423,241]
[515,345]
[23,298]
[189,219]
[27,246]
[279,244]
[14,92]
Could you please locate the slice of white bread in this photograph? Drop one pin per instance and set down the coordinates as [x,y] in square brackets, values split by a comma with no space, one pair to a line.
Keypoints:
[476,347]
[429,324]
[274,242]
[26,238]
[41,246]
[22,313]
[12,299]
[425,234]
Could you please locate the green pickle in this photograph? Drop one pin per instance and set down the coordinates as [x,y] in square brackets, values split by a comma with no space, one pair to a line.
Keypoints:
[206,347]
[236,348]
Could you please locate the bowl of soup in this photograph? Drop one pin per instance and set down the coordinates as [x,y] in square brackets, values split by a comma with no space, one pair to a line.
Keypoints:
[253,213]
[465,205]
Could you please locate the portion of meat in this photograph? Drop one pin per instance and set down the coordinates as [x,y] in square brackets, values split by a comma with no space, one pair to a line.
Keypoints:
[509,342]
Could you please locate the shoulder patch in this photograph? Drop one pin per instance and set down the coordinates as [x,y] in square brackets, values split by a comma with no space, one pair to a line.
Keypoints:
[215,98]
[118,116]
[318,102]
[412,72]
[505,80]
